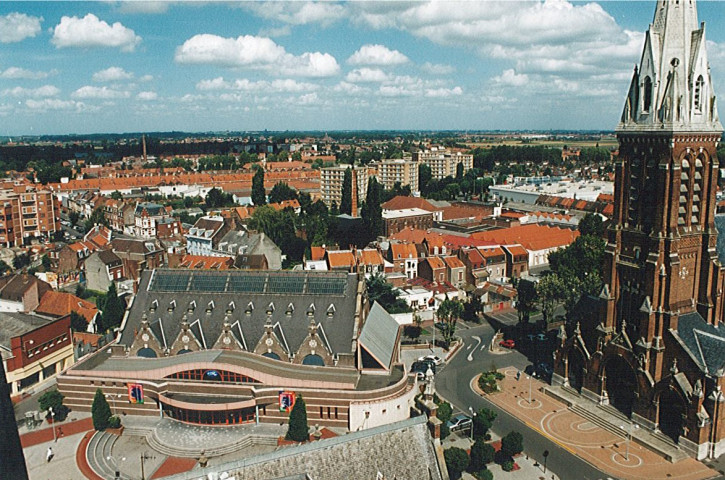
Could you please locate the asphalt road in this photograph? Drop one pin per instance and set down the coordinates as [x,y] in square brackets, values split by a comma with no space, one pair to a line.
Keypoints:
[453,384]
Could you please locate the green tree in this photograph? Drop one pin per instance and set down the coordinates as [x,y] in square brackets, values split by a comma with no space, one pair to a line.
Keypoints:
[112,308]
[298,430]
[482,454]
[372,213]
[73,217]
[45,262]
[216,198]
[53,399]
[425,175]
[77,322]
[281,191]
[346,201]
[96,218]
[459,172]
[259,196]
[21,261]
[100,411]
[591,224]
[512,444]
[449,311]
[379,290]
[116,195]
[482,422]
[457,462]
[526,299]
[550,291]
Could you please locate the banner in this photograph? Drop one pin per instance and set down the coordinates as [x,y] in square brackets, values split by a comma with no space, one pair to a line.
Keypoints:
[135,393]
[286,401]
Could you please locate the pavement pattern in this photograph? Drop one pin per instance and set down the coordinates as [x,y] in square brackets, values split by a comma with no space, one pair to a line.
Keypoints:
[604,450]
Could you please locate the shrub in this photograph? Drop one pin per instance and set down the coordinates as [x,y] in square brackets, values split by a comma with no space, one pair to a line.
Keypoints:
[456,461]
[444,412]
[484,474]
[507,466]
[482,422]
[53,399]
[114,422]
[481,454]
[512,444]
[298,430]
[445,431]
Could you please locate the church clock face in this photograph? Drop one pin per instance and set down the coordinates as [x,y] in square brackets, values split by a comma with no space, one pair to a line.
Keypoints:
[313,343]
[269,342]
[145,337]
[185,339]
[227,340]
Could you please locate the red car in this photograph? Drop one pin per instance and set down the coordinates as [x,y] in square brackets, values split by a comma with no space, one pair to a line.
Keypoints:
[507,343]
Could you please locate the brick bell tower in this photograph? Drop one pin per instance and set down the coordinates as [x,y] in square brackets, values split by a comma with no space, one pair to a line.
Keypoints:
[661,260]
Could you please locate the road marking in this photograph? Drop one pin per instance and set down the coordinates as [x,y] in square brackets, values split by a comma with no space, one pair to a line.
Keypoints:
[470,355]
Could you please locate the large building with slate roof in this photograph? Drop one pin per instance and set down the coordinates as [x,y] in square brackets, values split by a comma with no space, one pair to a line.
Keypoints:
[656,351]
[225,347]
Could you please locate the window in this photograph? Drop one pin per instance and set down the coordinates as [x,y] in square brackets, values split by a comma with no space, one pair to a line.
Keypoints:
[699,86]
[647,99]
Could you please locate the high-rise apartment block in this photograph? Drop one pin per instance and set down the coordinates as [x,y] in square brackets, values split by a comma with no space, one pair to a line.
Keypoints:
[394,170]
[26,213]
[443,163]
[331,179]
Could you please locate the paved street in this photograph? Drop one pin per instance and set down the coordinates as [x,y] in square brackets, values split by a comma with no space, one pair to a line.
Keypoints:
[453,383]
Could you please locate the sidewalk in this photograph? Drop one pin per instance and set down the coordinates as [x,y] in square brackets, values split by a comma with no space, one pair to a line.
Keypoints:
[606,451]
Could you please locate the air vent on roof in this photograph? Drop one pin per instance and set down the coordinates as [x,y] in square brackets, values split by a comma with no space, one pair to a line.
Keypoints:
[249,309]
[154,306]
[290,310]
[172,305]
[270,308]
[311,310]
[192,306]
[331,310]
[210,306]
[230,307]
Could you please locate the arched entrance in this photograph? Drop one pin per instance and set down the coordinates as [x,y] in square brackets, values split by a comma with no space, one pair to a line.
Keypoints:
[672,414]
[621,384]
[575,371]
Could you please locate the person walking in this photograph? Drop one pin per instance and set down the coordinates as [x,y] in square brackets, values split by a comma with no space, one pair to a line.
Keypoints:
[49,455]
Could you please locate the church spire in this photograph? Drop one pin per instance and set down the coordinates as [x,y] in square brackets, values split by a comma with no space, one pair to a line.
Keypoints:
[672,87]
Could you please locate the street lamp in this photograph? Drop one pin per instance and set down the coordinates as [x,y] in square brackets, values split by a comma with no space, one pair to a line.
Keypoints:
[52,422]
[117,471]
[144,456]
[473,421]
[113,401]
[628,438]
[529,377]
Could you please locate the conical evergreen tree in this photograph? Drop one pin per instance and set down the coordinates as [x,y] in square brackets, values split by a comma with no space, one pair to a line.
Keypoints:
[100,411]
[298,429]
[112,308]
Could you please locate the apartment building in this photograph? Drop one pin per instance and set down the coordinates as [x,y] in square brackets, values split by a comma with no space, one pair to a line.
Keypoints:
[331,185]
[390,171]
[27,213]
[443,163]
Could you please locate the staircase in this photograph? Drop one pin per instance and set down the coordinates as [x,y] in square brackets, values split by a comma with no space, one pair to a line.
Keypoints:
[171,451]
[99,455]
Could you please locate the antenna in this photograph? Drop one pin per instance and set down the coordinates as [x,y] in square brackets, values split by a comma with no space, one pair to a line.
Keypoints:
[143,142]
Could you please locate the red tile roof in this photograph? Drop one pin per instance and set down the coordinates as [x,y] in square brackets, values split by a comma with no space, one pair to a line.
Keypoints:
[530,236]
[435,263]
[317,253]
[58,304]
[454,262]
[400,202]
[205,262]
[403,250]
[340,258]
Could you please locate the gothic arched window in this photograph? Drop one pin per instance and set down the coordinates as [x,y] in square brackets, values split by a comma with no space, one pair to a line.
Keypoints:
[699,87]
[647,98]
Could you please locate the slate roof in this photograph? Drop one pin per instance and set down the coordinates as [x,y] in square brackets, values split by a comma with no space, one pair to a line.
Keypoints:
[153,209]
[305,291]
[379,335]
[703,341]
[13,324]
[402,450]
[109,258]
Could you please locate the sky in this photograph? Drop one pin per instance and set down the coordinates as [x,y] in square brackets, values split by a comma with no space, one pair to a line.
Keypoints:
[133,66]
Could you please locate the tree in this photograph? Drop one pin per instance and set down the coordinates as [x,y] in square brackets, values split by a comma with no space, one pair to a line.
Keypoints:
[298,431]
[4,267]
[96,218]
[73,217]
[425,175]
[259,196]
[550,291]
[512,444]
[457,462]
[482,454]
[77,322]
[216,198]
[112,308]
[482,422]
[592,224]
[449,311]
[526,299]
[346,201]
[45,261]
[379,290]
[116,195]
[280,192]
[459,171]
[21,261]
[372,213]
[100,411]
[53,399]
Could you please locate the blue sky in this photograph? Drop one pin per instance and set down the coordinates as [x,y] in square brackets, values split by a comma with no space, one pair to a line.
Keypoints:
[89,67]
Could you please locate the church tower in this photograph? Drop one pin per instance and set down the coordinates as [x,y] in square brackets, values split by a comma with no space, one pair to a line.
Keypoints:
[656,351]
[661,260]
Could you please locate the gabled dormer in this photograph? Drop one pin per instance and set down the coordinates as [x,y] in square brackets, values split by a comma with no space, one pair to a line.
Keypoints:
[146,344]
[272,344]
[185,341]
[226,340]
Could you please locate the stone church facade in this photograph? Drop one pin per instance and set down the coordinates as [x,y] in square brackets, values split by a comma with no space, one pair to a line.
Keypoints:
[656,349]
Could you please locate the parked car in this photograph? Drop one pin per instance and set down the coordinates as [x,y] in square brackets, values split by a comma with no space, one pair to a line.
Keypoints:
[507,343]
[422,367]
[459,422]
[433,358]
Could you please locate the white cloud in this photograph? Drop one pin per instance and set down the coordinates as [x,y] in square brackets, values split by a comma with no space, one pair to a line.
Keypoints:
[377,55]
[510,77]
[349,88]
[141,6]
[17,73]
[147,95]
[443,92]
[89,91]
[275,86]
[90,31]
[308,99]
[146,78]
[256,53]
[365,75]
[437,68]
[44,91]
[112,74]
[298,13]
[53,104]
[16,27]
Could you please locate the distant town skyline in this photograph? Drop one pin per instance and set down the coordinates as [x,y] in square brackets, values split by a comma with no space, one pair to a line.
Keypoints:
[113,67]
